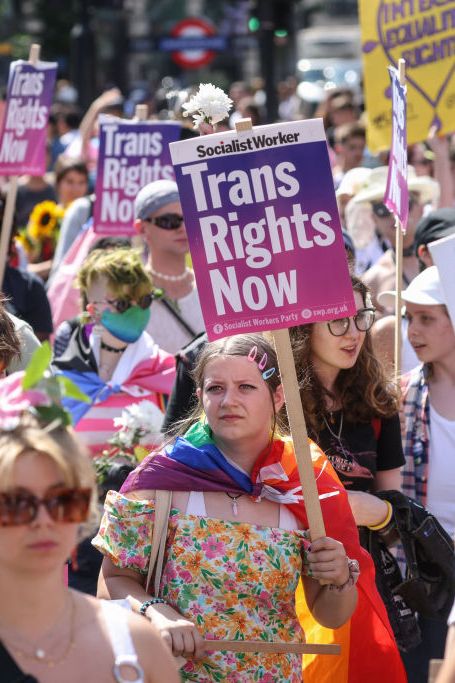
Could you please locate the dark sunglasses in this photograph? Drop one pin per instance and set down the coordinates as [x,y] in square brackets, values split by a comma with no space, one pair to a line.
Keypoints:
[381,211]
[168,221]
[122,305]
[62,505]
[363,320]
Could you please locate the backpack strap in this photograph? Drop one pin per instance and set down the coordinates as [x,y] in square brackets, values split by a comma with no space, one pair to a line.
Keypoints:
[186,326]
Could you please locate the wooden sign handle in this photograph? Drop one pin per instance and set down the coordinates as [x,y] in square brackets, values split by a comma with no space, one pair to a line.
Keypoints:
[398,300]
[299,432]
[141,112]
[262,646]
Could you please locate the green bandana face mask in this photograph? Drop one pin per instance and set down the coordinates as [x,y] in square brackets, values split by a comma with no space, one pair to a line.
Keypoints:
[127,326]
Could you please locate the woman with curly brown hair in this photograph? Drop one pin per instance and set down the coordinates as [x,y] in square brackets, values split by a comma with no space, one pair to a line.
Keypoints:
[350,408]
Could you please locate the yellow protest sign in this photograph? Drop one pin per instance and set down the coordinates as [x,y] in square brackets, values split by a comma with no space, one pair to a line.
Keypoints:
[423,33]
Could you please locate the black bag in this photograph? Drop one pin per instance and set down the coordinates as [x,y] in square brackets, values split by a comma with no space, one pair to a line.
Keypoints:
[388,578]
[429,586]
[10,671]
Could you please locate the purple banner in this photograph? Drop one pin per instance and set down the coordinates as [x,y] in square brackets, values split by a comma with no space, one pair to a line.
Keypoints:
[131,154]
[23,133]
[264,230]
[396,195]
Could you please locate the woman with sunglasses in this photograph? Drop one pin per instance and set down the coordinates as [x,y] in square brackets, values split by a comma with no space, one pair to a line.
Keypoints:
[48,633]
[350,408]
[160,223]
[110,356]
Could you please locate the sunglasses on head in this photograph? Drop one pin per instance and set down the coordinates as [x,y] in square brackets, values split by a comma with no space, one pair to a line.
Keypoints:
[68,505]
[122,305]
[168,221]
[363,320]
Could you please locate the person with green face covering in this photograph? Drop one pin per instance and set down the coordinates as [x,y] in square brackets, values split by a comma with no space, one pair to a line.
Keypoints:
[111,357]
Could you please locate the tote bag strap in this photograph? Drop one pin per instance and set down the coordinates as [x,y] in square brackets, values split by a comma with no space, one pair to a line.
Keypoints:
[159,533]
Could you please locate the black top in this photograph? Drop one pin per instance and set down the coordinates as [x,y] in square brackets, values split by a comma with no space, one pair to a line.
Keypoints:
[362,450]
[28,299]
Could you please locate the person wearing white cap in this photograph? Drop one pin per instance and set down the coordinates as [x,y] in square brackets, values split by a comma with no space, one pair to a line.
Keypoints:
[429,429]
[423,190]
[177,316]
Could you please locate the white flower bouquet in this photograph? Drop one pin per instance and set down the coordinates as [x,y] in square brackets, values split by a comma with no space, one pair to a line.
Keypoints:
[209,105]
[139,423]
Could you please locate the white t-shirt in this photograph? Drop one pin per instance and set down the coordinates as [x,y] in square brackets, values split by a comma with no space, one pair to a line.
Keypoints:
[441,471]
[167,331]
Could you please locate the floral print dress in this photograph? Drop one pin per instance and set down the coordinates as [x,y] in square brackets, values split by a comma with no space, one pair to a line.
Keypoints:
[235,581]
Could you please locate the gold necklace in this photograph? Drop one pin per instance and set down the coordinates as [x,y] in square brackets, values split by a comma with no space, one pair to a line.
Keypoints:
[39,654]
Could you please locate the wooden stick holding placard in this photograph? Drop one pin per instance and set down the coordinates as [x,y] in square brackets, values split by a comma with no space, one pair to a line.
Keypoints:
[296,417]
[398,267]
[10,203]
[260,645]
[141,112]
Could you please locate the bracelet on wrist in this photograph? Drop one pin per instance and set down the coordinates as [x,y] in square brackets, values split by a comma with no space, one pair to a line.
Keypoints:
[153,601]
[386,520]
[354,573]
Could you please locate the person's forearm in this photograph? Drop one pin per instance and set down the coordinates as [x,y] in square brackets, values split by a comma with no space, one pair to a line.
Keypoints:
[122,587]
[118,587]
[332,609]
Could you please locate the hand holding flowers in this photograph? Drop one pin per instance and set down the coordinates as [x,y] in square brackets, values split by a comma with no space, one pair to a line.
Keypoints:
[209,106]
[138,424]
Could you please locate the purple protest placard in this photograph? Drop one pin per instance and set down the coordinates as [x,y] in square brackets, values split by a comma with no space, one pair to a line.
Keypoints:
[263,226]
[23,133]
[131,154]
[396,196]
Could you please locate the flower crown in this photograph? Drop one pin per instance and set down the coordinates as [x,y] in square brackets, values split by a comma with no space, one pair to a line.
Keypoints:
[37,391]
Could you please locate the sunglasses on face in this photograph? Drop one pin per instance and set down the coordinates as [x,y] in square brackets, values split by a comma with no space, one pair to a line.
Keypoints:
[122,305]
[363,320]
[381,211]
[62,505]
[168,221]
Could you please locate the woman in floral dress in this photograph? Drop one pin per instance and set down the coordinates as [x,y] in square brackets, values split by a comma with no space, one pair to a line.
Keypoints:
[236,540]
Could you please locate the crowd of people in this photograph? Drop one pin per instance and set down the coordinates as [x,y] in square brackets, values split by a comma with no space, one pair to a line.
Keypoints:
[174,497]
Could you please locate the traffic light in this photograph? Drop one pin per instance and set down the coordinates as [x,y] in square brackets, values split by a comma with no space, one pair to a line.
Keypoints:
[254,22]
[283,17]
[276,14]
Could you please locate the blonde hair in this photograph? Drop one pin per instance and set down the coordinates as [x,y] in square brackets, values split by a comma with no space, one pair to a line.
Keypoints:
[122,268]
[59,444]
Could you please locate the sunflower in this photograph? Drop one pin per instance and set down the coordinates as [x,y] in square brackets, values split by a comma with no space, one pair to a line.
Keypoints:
[44,221]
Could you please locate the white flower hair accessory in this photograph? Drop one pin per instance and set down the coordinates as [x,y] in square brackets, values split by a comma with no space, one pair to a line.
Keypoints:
[209,105]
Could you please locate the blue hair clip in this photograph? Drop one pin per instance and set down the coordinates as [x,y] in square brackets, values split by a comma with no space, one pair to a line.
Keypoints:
[268,373]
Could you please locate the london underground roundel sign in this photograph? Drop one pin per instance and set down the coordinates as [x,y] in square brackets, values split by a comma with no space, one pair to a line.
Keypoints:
[198,34]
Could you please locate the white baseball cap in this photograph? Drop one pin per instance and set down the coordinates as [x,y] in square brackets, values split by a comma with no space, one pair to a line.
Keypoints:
[425,289]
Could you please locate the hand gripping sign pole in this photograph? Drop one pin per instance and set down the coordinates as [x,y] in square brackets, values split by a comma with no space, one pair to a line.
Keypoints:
[258,645]
[296,417]
[10,204]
